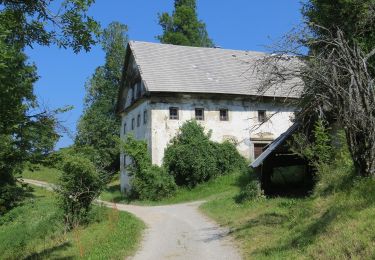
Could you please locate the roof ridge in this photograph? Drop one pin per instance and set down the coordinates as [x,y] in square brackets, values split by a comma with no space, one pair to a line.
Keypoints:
[197,47]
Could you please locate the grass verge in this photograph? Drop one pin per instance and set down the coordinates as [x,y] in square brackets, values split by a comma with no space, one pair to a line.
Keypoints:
[206,191]
[42,173]
[337,226]
[34,230]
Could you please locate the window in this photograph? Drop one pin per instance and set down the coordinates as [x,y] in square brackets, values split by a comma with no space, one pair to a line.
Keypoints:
[138,120]
[124,128]
[199,114]
[258,149]
[124,161]
[133,123]
[262,117]
[145,117]
[224,115]
[173,113]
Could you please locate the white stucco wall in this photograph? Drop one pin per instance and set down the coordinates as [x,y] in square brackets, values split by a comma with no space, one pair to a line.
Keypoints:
[142,132]
[242,124]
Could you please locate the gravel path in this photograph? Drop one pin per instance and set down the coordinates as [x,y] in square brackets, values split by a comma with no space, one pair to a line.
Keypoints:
[177,231]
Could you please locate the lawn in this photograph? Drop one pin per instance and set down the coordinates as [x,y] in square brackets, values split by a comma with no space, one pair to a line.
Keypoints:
[205,191]
[34,230]
[214,188]
[42,173]
[338,226]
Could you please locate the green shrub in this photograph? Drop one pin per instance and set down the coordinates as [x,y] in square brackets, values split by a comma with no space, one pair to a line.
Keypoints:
[252,191]
[148,182]
[228,159]
[190,156]
[79,185]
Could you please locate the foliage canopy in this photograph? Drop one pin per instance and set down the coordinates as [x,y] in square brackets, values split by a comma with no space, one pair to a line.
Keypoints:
[99,125]
[183,26]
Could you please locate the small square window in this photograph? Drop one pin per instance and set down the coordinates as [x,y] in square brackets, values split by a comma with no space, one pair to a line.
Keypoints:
[145,117]
[199,114]
[224,115]
[173,113]
[262,116]
[124,128]
[133,123]
[138,120]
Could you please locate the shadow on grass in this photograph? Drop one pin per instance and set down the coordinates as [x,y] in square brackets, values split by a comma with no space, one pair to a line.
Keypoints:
[298,237]
[48,252]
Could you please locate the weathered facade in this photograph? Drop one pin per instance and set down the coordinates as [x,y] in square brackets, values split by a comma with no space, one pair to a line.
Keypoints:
[163,86]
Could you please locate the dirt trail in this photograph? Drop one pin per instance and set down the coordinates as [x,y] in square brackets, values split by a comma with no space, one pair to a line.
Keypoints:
[176,231]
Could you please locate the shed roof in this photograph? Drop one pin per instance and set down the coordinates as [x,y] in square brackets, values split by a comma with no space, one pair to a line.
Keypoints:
[172,68]
[274,145]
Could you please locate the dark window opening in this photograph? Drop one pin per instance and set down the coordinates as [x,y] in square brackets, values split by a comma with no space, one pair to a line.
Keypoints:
[258,149]
[124,129]
[133,123]
[224,115]
[138,120]
[199,114]
[145,117]
[173,113]
[262,116]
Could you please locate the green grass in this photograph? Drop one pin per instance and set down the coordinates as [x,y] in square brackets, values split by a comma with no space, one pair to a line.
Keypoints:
[34,230]
[42,173]
[206,191]
[337,226]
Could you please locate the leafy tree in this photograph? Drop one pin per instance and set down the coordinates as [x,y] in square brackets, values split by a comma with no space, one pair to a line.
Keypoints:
[67,25]
[99,125]
[183,26]
[353,17]
[342,72]
[27,133]
[338,73]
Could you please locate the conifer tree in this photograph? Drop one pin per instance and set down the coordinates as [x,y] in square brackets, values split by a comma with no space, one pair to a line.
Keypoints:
[183,27]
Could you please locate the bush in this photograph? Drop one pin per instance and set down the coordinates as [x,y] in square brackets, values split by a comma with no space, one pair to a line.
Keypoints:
[79,185]
[228,159]
[148,181]
[192,158]
[252,191]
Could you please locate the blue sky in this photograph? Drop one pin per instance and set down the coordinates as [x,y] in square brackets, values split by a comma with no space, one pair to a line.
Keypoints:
[235,24]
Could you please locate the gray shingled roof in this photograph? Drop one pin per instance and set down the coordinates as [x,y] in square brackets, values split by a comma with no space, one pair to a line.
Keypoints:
[172,68]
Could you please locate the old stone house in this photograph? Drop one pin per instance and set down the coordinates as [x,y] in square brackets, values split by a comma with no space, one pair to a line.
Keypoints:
[165,85]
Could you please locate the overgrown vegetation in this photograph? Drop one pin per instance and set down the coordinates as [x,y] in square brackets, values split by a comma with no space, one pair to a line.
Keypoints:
[149,182]
[79,185]
[34,230]
[192,158]
[336,222]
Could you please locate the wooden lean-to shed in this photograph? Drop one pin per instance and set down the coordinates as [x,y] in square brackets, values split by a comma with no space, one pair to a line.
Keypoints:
[280,170]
